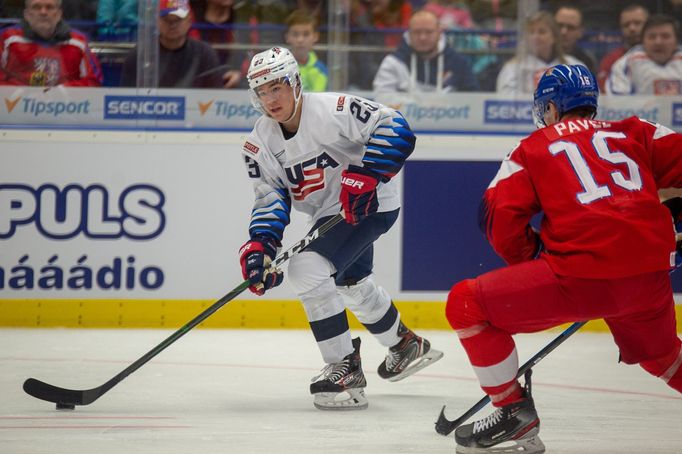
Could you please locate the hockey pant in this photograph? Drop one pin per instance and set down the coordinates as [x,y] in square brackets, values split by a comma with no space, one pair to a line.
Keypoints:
[528,297]
[324,305]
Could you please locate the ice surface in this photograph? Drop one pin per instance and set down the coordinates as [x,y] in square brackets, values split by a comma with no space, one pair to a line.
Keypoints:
[243,391]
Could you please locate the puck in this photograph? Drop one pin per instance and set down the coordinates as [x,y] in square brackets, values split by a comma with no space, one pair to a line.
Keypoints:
[63,406]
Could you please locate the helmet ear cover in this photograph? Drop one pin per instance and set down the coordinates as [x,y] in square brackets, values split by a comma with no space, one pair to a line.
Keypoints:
[569,88]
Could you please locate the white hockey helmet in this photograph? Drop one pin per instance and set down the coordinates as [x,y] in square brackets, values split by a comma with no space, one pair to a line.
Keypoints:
[276,63]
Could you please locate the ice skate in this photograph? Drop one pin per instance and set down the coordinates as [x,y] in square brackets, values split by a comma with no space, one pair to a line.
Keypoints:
[413,353]
[341,385]
[513,428]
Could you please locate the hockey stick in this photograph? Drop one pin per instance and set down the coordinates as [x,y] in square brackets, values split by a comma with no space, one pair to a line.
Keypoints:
[444,426]
[69,398]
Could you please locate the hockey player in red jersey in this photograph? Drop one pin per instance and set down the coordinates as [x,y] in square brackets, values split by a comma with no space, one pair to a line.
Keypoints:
[43,51]
[604,250]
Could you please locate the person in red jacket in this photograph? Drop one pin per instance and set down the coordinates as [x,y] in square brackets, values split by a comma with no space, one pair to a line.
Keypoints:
[43,51]
[605,247]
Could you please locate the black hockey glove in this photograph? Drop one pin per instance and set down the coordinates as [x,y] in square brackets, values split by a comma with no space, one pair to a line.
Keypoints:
[255,256]
[358,194]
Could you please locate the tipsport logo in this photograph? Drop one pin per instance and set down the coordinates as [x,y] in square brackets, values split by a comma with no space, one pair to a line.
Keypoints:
[39,108]
[227,110]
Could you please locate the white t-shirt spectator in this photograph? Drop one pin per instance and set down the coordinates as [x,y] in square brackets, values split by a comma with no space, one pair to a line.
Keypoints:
[520,76]
[636,73]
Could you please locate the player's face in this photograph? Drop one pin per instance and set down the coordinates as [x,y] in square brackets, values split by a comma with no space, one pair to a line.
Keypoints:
[43,16]
[660,43]
[277,98]
[301,38]
[424,33]
[540,40]
[631,24]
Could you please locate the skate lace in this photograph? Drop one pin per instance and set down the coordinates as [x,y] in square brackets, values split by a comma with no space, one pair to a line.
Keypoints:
[392,359]
[488,421]
[395,357]
[333,372]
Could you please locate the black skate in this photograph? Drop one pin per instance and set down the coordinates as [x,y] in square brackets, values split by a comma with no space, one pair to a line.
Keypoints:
[513,428]
[342,384]
[413,353]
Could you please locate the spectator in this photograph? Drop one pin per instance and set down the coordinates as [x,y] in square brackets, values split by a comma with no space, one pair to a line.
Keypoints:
[118,19]
[214,22]
[43,51]
[569,20]
[655,66]
[183,61]
[301,36]
[377,23]
[82,11]
[632,20]
[424,61]
[540,50]
[595,14]
[452,14]
[495,15]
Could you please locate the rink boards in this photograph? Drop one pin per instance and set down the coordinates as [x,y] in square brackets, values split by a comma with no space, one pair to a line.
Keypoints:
[131,229]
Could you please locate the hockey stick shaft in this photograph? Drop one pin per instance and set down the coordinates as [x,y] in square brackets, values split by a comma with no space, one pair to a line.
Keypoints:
[50,393]
[444,426]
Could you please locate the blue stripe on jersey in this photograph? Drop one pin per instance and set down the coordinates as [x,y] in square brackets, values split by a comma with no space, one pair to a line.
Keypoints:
[330,327]
[271,219]
[385,323]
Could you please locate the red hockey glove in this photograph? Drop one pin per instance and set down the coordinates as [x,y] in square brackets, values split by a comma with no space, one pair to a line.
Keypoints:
[358,194]
[255,256]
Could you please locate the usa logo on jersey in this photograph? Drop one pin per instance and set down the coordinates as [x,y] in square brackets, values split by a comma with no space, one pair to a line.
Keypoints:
[308,176]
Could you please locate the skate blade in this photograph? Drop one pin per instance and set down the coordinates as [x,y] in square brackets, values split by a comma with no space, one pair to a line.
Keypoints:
[529,444]
[429,358]
[351,399]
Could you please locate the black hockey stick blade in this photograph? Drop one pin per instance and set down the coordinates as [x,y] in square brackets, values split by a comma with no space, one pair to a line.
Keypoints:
[45,391]
[71,397]
[445,427]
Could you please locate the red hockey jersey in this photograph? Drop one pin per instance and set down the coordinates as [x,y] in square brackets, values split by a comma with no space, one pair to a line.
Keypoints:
[64,60]
[596,184]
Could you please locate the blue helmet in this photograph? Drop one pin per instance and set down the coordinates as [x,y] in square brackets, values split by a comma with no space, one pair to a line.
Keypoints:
[567,87]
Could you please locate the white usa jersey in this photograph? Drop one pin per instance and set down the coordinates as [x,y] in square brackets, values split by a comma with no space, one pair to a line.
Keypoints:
[636,73]
[304,171]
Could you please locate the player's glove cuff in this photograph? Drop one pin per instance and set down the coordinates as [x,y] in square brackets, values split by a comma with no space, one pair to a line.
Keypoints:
[358,193]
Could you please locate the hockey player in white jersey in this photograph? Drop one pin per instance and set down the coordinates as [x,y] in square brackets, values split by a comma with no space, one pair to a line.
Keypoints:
[320,153]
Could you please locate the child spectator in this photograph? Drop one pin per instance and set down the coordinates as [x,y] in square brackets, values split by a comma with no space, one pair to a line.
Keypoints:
[301,36]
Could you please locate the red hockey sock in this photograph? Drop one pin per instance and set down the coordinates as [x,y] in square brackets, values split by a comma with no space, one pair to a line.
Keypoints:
[668,368]
[491,351]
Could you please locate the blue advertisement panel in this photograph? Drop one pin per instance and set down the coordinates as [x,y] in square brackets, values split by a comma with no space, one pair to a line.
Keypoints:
[441,242]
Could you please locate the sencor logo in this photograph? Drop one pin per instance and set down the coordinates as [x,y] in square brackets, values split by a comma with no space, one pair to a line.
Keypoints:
[144,108]
[514,112]
[677,114]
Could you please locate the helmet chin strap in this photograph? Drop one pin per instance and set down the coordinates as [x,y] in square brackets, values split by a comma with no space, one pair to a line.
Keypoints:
[297,100]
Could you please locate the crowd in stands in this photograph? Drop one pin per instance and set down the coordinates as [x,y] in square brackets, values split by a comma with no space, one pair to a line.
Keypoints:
[397,45]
